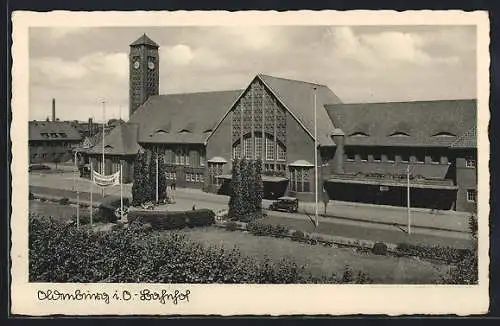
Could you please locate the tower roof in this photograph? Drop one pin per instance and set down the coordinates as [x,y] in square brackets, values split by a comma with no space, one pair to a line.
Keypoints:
[145,40]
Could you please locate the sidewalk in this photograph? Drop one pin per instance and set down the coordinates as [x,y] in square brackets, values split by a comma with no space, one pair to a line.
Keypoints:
[387,215]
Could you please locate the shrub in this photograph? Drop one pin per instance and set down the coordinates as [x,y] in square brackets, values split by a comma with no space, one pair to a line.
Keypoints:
[31,196]
[347,276]
[279,231]
[258,228]
[447,254]
[363,278]
[200,217]
[64,201]
[231,226]
[473,227]
[63,253]
[379,248]
[298,236]
[163,220]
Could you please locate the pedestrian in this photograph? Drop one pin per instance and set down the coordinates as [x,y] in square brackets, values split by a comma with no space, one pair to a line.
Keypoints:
[194,207]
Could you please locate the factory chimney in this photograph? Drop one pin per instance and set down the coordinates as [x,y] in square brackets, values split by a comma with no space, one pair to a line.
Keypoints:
[53,109]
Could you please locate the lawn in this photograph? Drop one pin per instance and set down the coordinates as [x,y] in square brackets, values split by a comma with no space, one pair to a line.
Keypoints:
[324,260]
[320,260]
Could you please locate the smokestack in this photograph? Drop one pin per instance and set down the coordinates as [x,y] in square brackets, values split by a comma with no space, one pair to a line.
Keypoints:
[53,109]
[91,127]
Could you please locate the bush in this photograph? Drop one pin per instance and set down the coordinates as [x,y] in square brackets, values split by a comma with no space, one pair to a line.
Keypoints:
[163,220]
[379,248]
[363,278]
[200,217]
[280,231]
[31,196]
[231,226]
[298,236]
[347,276]
[447,254]
[64,201]
[63,253]
[258,228]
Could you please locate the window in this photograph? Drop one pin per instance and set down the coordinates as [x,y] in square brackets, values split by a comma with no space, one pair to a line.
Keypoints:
[471,195]
[186,155]
[299,179]
[470,162]
[359,134]
[419,157]
[248,148]
[197,177]
[202,158]
[237,151]
[390,157]
[399,134]
[363,156]
[434,158]
[214,170]
[202,177]
[350,156]
[63,134]
[269,149]
[377,157]
[444,134]
[281,152]
[258,146]
[405,157]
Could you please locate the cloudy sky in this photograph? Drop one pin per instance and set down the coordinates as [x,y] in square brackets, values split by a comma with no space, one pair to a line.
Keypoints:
[81,67]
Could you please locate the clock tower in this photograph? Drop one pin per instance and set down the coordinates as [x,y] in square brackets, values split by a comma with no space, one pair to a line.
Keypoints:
[144,73]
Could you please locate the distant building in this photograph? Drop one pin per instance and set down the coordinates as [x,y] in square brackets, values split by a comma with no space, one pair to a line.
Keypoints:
[363,149]
[51,141]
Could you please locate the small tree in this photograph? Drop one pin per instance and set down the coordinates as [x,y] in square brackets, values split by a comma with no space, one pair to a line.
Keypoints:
[235,204]
[258,189]
[246,191]
[56,159]
[139,191]
[162,178]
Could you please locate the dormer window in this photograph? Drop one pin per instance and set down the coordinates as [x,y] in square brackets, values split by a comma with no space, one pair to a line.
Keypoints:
[184,130]
[444,134]
[161,131]
[399,134]
[359,134]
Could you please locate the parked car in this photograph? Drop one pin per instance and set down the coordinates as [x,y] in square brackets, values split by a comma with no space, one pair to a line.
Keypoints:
[38,167]
[288,204]
[110,208]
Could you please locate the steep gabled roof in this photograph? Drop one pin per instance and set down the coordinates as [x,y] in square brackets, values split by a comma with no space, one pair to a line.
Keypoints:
[144,40]
[53,131]
[181,118]
[122,140]
[427,123]
[467,140]
[298,97]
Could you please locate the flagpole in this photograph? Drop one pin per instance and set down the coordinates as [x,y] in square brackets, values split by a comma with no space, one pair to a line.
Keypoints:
[91,189]
[77,194]
[408,197]
[315,161]
[103,128]
[121,190]
[157,177]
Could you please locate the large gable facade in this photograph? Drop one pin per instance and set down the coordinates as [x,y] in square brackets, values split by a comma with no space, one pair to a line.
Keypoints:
[363,149]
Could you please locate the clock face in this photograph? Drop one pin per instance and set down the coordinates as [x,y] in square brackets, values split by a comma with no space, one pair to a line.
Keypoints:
[136,65]
[151,65]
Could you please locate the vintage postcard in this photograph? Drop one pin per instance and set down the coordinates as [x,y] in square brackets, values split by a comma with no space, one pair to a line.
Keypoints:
[250,163]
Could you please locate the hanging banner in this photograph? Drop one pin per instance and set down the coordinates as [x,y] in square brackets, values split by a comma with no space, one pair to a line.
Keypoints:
[106,180]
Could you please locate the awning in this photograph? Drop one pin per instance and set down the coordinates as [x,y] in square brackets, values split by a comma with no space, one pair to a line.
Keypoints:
[301,163]
[217,159]
[394,183]
[265,178]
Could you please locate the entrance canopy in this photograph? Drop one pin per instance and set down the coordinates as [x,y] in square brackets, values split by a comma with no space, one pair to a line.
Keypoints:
[265,178]
[444,185]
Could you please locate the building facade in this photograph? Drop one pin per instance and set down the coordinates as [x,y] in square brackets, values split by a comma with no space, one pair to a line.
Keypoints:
[365,152]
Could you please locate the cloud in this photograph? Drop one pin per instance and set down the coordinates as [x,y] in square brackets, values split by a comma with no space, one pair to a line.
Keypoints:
[182,56]
[57,33]
[388,48]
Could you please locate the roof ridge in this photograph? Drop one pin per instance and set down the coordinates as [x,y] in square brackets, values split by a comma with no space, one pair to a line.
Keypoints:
[292,80]
[401,102]
[199,92]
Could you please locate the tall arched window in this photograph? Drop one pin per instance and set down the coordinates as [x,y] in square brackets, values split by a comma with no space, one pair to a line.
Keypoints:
[259,147]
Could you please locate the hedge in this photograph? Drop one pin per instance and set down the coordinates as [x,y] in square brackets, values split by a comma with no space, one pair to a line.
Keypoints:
[60,252]
[449,255]
[163,220]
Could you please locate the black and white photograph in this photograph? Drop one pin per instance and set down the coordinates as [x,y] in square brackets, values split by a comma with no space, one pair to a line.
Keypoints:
[333,153]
